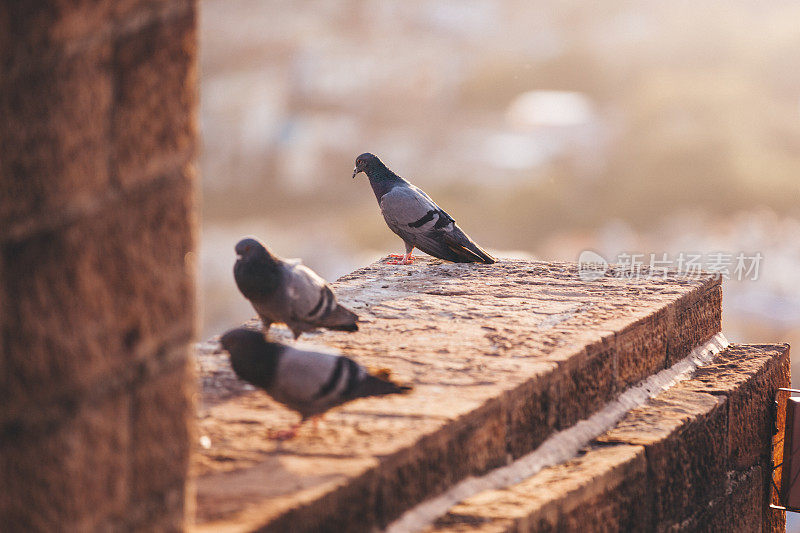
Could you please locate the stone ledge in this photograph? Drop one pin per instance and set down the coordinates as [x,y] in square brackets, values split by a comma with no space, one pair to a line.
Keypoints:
[748,375]
[603,485]
[494,352]
[663,467]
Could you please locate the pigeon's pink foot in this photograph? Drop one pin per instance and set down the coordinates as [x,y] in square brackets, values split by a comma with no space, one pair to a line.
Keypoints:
[405,260]
[399,256]
[283,434]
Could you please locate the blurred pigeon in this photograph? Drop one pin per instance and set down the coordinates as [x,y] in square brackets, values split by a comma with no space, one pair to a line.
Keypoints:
[308,382]
[287,291]
[416,219]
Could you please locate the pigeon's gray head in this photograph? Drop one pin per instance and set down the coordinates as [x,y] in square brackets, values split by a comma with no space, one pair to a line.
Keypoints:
[366,162]
[257,272]
[242,341]
[253,358]
[249,247]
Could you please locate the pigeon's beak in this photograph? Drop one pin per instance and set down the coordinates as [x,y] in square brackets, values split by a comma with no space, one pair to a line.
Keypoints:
[355,171]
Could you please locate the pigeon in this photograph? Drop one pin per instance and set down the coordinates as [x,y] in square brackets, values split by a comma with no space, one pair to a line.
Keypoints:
[308,382]
[417,219]
[287,291]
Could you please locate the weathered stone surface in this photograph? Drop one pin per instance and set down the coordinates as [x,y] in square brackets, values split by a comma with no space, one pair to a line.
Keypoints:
[85,302]
[685,437]
[526,343]
[153,127]
[56,126]
[96,280]
[601,490]
[70,478]
[37,34]
[775,520]
[738,509]
[160,411]
[94,94]
[671,482]
[384,453]
[749,375]
[641,355]
[696,316]
[127,11]
[742,505]
[590,375]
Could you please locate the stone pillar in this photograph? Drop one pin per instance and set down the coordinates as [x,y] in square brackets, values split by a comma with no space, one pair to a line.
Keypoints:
[97,146]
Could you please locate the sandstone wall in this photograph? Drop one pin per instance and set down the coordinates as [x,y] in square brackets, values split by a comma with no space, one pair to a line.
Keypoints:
[694,458]
[97,143]
[509,362]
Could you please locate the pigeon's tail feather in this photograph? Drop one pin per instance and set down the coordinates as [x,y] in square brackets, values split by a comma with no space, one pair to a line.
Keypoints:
[378,386]
[341,319]
[466,250]
[382,373]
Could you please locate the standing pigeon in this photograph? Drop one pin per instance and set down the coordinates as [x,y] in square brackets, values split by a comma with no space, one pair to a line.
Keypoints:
[308,382]
[416,219]
[287,291]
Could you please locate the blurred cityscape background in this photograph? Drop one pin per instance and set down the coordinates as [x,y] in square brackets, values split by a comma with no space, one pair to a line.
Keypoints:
[545,128]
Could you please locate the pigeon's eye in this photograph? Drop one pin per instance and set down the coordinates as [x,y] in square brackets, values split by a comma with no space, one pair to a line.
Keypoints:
[247,248]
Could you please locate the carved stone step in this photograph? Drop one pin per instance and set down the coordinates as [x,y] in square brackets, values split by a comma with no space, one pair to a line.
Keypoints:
[695,458]
[501,356]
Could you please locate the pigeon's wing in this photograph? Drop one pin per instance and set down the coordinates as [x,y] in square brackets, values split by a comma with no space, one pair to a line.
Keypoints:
[310,381]
[411,213]
[312,302]
[419,221]
[303,288]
